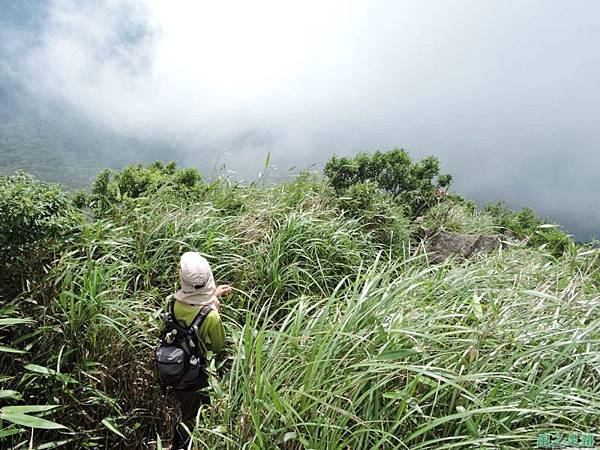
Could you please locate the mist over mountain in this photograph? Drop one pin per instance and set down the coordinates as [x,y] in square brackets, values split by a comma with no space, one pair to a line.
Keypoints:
[505,95]
[61,147]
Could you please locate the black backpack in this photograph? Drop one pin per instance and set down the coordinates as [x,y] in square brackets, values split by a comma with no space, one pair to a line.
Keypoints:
[179,349]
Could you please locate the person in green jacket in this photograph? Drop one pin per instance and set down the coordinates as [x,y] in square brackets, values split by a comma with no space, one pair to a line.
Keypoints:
[198,289]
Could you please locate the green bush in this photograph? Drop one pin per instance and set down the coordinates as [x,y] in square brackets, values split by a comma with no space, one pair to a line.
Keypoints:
[34,216]
[528,226]
[413,184]
[135,181]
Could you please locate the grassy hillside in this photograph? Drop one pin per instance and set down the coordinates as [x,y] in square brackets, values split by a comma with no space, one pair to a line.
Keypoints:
[341,334]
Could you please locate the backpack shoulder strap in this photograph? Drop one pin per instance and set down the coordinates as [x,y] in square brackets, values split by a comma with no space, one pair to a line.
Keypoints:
[199,319]
[195,326]
[170,309]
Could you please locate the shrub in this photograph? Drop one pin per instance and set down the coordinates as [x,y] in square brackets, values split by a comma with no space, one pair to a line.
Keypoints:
[34,216]
[526,224]
[413,184]
[135,181]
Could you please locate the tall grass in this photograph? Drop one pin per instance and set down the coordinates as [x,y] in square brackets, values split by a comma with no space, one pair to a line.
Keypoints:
[337,339]
[446,357]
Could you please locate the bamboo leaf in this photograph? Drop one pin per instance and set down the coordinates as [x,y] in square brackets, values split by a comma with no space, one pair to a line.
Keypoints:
[40,369]
[30,421]
[112,427]
[14,321]
[9,393]
[9,431]
[5,349]
[54,444]
[25,409]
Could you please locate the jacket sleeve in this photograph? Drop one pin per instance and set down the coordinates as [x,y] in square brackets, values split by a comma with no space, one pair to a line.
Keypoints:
[213,333]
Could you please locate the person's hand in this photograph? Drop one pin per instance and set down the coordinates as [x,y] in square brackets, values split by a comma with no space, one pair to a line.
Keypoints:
[223,289]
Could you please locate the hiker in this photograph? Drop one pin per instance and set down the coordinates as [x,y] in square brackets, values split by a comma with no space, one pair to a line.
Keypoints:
[198,297]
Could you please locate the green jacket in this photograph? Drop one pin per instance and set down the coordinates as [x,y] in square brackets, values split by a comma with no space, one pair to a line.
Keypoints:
[211,332]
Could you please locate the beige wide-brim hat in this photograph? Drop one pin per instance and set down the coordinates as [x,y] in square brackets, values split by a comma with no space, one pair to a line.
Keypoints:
[197,282]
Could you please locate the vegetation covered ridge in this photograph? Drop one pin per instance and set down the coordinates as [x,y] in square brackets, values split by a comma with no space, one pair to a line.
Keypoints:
[342,333]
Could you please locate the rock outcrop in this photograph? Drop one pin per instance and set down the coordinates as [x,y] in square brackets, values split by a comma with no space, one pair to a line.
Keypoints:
[445,244]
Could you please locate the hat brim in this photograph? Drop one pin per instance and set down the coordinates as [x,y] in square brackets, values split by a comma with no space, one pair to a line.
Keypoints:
[194,298]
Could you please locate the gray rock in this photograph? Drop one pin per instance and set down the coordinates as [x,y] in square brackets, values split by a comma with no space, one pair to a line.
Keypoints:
[445,244]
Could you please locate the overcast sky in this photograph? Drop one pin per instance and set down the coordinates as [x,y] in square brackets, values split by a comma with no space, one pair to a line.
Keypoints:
[506,93]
